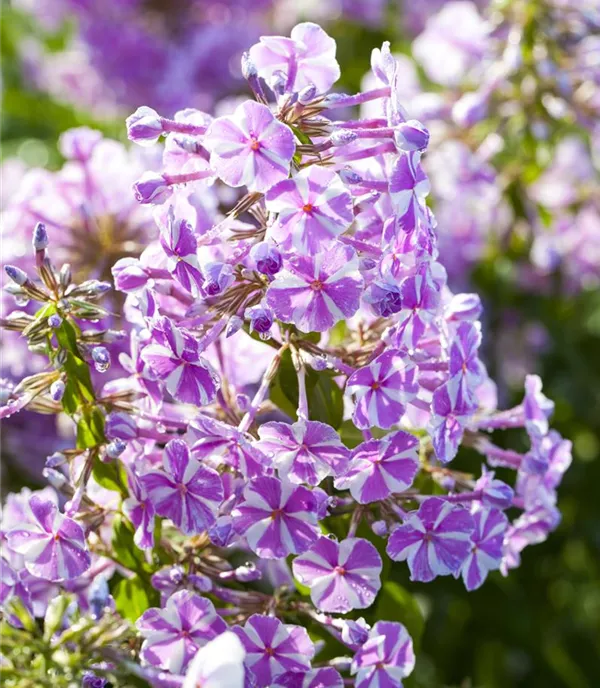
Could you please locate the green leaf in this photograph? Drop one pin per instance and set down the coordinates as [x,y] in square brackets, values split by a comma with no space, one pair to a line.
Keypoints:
[350,435]
[111,476]
[394,603]
[338,334]
[325,398]
[125,550]
[133,596]
[326,401]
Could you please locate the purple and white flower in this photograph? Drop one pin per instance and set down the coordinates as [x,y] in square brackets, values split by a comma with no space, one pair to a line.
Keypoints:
[409,187]
[173,635]
[315,292]
[385,658]
[341,576]
[379,468]
[273,648]
[382,389]
[186,491]
[305,452]
[52,545]
[305,59]
[313,208]
[180,246]
[250,148]
[276,517]
[139,509]
[435,540]
[486,549]
[174,357]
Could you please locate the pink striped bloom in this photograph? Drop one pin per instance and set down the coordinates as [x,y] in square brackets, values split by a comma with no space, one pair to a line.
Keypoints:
[435,540]
[385,658]
[52,545]
[305,452]
[315,292]
[173,635]
[250,148]
[382,389]
[273,648]
[276,518]
[186,491]
[312,209]
[341,576]
[379,468]
[486,548]
[174,357]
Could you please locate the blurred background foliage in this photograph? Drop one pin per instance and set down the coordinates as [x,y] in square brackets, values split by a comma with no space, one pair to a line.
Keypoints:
[540,627]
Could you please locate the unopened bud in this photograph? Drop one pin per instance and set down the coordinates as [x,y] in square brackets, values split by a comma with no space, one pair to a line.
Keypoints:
[342,137]
[349,176]
[115,448]
[40,237]
[307,94]
[411,136]
[152,188]
[234,324]
[380,528]
[101,358]
[144,126]
[249,70]
[17,275]
[57,390]
[54,321]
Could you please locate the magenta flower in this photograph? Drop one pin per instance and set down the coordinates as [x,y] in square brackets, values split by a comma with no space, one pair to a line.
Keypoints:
[179,244]
[273,648]
[486,548]
[174,357]
[312,209]
[305,452]
[385,658]
[250,148]
[315,292]
[341,576]
[382,389]
[53,546]
[212,437]
[409,187]
[305,59]
[379,468]
[173,635]
[276,518]
[186,491]
[435,540]
[140,511]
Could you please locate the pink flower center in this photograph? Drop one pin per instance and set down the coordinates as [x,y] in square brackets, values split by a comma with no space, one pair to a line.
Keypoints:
[317,285]
[57,538]
[255,143]
[269,651]
[340,570]
[182,489]
[376,385]
[276,514]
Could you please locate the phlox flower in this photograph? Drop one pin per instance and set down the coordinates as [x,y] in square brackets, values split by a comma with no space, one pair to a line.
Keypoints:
[180,246]
[486,550]
[219,664]
[186,491]
[341,576]
[385,658]
[435,540]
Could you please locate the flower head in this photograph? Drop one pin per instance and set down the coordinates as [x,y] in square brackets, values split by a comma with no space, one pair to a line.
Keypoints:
[386,657]
[185,491]
[435,540]
[341,576]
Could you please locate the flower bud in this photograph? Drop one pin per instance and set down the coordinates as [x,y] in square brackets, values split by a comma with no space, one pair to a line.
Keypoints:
[384,298]
[55,478]
[57,390]
[247,573]
[119,425]
[307,94]
[218,277]
[243,402]
[17,275]
[90,680]
[152,188]
[380,528]
[234,324]
[411,136]
[115,448]
[129,275]
[40,237]
[266,257]
[261,319]
[144,126]
[249,70]
[342,137]
[55,460]
[98,596]
[101,358]
[54,321]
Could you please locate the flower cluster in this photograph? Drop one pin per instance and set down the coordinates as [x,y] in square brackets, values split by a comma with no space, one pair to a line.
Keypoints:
[299,385]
